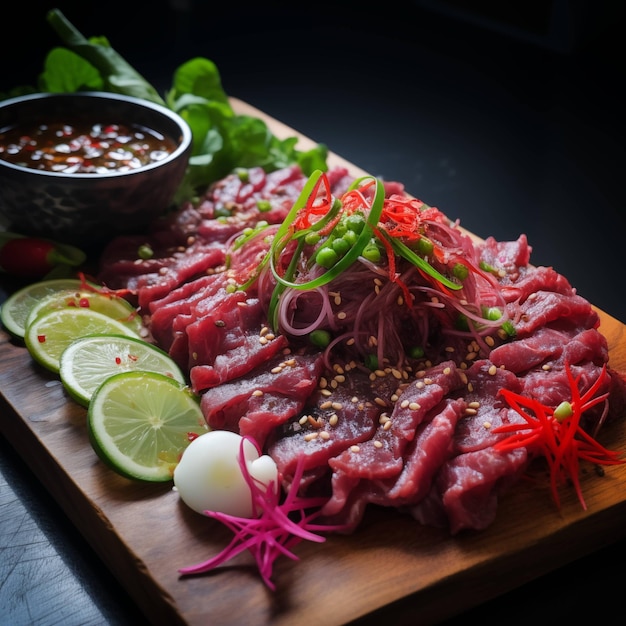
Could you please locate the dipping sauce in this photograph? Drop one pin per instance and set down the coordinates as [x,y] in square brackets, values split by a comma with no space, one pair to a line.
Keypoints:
[84,148]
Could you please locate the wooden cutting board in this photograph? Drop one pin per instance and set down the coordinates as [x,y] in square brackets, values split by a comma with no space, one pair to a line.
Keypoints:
[390,568]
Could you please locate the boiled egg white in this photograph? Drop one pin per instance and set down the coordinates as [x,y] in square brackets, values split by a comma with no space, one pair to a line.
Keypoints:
[208,476]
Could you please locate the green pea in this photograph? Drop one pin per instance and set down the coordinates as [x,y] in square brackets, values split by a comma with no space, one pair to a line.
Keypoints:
[264,206]
[326,257]
[371,361]
[340,229]
[425,246]
[320,338]
[493,313]
[341,246]
[460,271]
[371,252]
[351,237]
[355,223]
[311,238]
[222,211]
[509,329]
[461,323]
[416,352]
[563,411]
[145,252]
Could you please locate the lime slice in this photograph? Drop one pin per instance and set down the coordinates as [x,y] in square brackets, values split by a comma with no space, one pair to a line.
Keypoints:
[52,332]
[87,362]
[140,423]
[109,304]
[17,306]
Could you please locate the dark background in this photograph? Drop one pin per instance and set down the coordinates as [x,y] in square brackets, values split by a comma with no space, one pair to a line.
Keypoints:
[505,115]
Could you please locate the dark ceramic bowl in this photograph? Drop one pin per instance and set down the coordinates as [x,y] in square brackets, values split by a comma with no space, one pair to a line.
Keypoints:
[85,208]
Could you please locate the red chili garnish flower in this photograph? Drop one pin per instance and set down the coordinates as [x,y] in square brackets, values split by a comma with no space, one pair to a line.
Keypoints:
[556,433]
[274,531]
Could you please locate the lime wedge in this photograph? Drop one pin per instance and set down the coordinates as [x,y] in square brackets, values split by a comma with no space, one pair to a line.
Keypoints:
[17,306]
[87,362]
[50,333]
[109,304]
[140,423]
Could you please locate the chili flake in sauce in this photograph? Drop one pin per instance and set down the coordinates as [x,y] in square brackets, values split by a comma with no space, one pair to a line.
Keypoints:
[84,148]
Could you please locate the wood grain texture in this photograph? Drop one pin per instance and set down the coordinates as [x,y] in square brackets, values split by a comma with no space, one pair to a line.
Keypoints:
[390,567]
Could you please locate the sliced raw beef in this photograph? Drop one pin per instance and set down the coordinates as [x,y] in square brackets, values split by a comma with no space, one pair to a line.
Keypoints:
[467,487]
[267,398]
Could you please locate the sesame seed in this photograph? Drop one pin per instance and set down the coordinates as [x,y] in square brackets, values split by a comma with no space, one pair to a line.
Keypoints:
[303,420]
[396,373]
[378,444]
[276,370]
[355,449]
[380,401]
[490,341]
[338,368]
[414,406]
[340,378]
[474,404]
[420,384]
[447,371]
[470,356]
[380,373]
[263,340]
[323,383]
[404,404]
[310,436]
[257,393]
[326,405]
[387,425]
[428,381]
[326,392]
[487,425]
[492,370]
[333,419]
[449,348]
[337,406]
[325,435]
[470,411]
[546,367]
[342,315]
